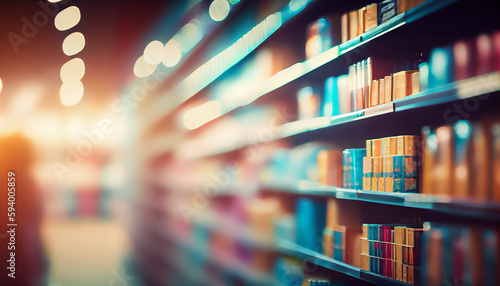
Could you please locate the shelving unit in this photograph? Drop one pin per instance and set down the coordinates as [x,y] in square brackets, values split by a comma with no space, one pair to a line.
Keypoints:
[198,190]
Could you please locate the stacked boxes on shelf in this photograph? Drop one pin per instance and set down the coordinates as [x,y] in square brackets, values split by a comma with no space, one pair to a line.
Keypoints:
[460,255]
[392,251]
[391,164]
[462,160]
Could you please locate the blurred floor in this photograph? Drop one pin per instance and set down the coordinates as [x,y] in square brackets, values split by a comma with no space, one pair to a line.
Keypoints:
[85,251]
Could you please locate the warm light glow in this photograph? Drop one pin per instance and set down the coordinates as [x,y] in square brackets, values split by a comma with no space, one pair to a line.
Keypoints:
[202,114]
[71,93]
[172,53]
[26,99]
[143,68]
[73,70]
[1,85]
[73,44]
[67,18]
[153,53]
[54,1]
[218,10]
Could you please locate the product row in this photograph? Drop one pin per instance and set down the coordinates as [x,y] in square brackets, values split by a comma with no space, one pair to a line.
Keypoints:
[460,160]
[335,29]
[376,81]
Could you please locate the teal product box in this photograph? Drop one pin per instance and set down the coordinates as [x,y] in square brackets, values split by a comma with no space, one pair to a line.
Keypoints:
[337,245]
[441,67]
[353,168]
[405,174]
[311,221]
[331,102]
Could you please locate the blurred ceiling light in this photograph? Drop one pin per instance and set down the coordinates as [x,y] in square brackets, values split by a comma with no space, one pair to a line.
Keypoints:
[153,53]
[71,93]
[234,1]
[172,53]
[73,44]
[72,70]
[143,68]
[202,114]
[67,18]
[218,10]
[54,1]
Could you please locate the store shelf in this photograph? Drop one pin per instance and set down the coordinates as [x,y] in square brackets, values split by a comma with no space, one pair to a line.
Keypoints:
[468,88]
[211,70]
[292,249]
[229,266]
[301,69]
[487,211]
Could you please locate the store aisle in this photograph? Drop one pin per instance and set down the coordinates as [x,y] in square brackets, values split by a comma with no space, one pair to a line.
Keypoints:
[86,252]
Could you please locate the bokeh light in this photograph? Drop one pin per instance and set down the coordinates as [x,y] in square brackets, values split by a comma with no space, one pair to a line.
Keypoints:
[71,93]
[153,53]
[143,68]
[218,10]
[67,18]
[73,44]
[72,70]
[172,53]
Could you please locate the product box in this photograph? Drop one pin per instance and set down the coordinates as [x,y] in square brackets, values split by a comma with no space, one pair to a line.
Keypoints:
[441,67]
[423,70]
[381,91]
[344,26]
[374,96]
[463,52]
[481,162]
[429,149]
[388,89]
[463,157]
[367,173]
[402,84]
[386,11]
[443,167]
[388,174]
[496,162]
[405,174]
[353,168]
[309,103]
[407,145]
[399,241]
[343,94]
[319,38]
[371,17]
[330,167]
[353,24]
[484,54]
[328,242]
[415,82]
[361,20]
